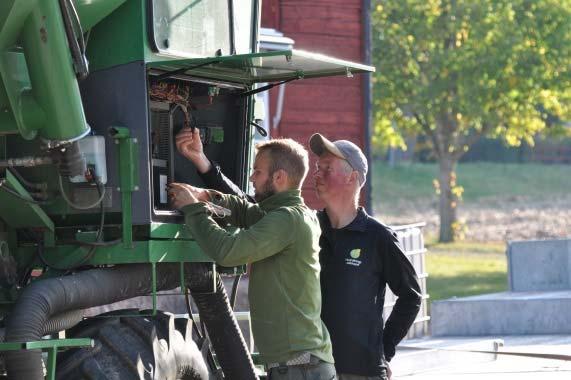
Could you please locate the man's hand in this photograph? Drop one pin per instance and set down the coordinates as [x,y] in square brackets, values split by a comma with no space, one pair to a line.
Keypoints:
[389,372]
[189,145]
[182,194]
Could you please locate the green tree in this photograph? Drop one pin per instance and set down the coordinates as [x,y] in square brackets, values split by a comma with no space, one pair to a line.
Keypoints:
[457,70]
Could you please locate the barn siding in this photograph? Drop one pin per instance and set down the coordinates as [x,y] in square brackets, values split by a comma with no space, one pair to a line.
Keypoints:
[331,106]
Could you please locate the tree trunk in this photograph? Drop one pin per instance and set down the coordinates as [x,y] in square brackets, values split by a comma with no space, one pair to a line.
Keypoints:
[448,201]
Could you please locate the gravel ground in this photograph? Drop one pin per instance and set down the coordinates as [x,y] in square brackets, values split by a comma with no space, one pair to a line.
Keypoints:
[497,219]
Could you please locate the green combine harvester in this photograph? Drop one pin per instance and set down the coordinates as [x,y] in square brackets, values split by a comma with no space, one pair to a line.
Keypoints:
[92,93]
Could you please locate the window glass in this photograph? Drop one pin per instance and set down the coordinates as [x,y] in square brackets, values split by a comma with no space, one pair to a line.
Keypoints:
[243,26]
[191,27]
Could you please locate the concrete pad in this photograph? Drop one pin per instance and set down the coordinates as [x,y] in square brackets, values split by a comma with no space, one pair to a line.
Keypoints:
[416,355]
[506,313]
[508,367]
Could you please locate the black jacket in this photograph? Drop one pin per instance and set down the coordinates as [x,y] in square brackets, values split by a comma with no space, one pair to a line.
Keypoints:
[357,262]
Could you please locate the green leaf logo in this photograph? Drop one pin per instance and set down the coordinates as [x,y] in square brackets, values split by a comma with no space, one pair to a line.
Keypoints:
[355,253]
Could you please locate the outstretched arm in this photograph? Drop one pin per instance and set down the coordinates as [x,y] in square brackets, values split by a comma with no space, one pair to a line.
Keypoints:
[243,214]
[263,239]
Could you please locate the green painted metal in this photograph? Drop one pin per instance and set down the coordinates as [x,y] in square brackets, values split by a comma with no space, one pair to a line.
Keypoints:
[86,236]
[51,346]
[127,223]
[22,114]
[119,132]
[13,14]
[50,104]
[92,11]
[7,121]
[46,344]
[264,67]
[119,38]
[49,238]
[176,250]
[51,363]
[54,84]
[148,251]
[217,135]
[169,231]
[129,182]
[127,27]
[129,165]
[22,214]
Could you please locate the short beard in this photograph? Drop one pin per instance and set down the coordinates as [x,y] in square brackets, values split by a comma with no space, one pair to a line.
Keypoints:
[265,192]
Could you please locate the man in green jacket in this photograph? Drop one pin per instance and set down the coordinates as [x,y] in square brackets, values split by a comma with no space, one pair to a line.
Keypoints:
[280,239]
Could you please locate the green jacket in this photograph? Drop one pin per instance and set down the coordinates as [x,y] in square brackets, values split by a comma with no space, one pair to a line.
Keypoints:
[280,238]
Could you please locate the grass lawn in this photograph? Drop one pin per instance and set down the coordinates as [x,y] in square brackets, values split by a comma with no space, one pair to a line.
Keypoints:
[465,269]
[413,181]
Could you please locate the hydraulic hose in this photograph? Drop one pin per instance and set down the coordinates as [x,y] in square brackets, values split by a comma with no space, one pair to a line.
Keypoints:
[224,333]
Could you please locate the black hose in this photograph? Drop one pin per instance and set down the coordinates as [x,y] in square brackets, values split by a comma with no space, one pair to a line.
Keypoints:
[234,293]
[92,246]
[47,298]
[225,335]
[70,160]
[77,48]
[63,321]
[42,186]
[195,328]
[17,195]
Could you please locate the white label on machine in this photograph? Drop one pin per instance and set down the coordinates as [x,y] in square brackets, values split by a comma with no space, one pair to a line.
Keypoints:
[163,188]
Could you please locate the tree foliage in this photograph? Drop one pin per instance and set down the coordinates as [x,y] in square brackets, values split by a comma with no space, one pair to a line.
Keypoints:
[457,70]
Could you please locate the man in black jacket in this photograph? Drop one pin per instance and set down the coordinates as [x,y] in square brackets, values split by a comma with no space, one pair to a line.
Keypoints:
[359,257]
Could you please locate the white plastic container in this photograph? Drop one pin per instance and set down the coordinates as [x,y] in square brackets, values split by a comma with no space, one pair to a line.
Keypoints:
[93,149]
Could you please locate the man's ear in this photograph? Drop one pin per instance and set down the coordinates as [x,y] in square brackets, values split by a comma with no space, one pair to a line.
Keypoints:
[354,177]
[280,177]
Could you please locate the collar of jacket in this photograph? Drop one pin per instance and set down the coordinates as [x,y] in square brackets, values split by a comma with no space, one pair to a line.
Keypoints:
[358,224]
[283,198]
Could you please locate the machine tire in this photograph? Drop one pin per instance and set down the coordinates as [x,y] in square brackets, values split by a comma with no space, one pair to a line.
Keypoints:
[132,347]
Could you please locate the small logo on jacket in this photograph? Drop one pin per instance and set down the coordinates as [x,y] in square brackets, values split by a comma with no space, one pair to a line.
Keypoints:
[355,254]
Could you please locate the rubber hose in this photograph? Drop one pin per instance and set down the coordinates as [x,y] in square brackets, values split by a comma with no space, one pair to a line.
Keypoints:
[46,298]
[224,333]
[63,321]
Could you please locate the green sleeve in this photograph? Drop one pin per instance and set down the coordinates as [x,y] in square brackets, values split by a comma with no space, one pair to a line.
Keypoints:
[244,213]
[263,239]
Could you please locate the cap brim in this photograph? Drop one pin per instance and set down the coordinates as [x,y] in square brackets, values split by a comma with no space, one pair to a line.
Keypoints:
[320,145]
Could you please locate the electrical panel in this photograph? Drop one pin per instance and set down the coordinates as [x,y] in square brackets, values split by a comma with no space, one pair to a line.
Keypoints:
[216,110]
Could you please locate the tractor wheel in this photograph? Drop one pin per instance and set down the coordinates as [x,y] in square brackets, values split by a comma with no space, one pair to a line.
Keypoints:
[134,347]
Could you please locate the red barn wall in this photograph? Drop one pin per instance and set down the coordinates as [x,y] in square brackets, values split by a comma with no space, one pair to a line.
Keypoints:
[333,106]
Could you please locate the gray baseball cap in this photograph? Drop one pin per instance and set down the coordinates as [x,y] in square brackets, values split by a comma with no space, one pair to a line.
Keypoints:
[343,149]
